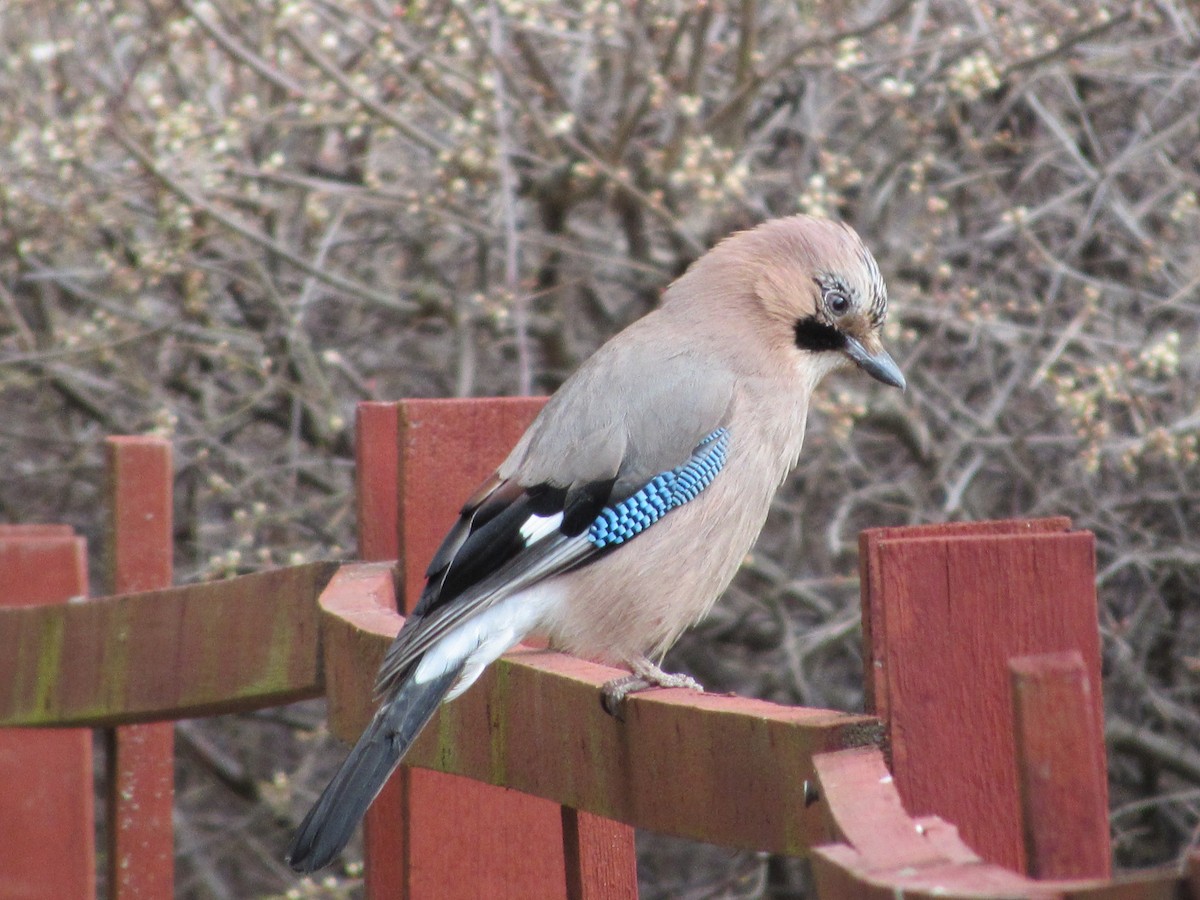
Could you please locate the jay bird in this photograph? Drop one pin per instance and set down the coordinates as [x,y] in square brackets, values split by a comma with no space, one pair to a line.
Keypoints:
[629,503]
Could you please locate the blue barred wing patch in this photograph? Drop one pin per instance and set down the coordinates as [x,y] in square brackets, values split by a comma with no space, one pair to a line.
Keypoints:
[633,515]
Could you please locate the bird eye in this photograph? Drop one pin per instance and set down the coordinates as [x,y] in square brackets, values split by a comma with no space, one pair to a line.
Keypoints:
[837,302]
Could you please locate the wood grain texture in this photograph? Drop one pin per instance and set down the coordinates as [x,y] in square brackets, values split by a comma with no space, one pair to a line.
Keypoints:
[1061,767]
[141,758]
[46,804]
[600,856]
[947,612]
[721,769]
[202,649]
[875,674]
[430,834]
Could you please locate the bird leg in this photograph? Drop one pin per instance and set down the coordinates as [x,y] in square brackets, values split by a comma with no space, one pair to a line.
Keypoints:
[645,675]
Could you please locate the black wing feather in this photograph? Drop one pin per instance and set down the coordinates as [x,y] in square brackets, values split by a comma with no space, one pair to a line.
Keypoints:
[583,503]
[486,548]
[488,533]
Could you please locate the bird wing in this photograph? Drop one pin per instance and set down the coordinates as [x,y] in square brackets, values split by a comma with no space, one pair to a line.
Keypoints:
[592,471]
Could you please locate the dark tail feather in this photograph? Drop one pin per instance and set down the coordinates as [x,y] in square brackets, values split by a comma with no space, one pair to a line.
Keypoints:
[328,826]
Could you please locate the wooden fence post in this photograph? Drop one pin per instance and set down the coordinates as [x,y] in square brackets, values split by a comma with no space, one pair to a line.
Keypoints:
[430,834]
[141,758]
[945,607]
[600,857]
[1061,767]
[46,805]
[377,448]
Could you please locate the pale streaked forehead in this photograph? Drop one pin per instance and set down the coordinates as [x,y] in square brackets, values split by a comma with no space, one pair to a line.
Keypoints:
[836,253]
[781,255]
[874,291]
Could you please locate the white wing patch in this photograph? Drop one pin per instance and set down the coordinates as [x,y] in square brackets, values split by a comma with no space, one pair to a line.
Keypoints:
[537,527]
[484,638]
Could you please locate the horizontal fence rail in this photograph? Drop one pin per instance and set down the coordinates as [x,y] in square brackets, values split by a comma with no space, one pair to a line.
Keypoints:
[221,647]
[721,769]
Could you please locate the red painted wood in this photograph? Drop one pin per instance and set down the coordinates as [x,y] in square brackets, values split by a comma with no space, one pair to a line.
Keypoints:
[385,837]
[1061,767]
[600,857]
[351,656]
[26,532]
[946,613]
[886,852]
[377,435]
[722,769]
[200,649]
[48,848]
[875,675]
[840,874]
[455,837]
[864,810]
[1151,884]
[141,758]
[460,831]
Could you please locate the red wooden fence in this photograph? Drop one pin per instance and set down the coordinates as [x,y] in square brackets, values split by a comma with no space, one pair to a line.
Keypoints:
[141,757]
[946,607]
[45,776]
[982,665]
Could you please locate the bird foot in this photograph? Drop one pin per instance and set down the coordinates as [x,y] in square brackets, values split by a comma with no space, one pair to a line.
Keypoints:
[645,675]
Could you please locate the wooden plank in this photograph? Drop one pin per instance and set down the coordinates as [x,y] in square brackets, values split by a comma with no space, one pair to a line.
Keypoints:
[431,833]
[859,796]
[377,451]
[947,614]
[725,770]
[1061,768]
[46,801]
[141,758]
[600,857]
[1153,884]
[875,673]
[233,645]
[13,532]
[839,875]
[886,852]
[351,655]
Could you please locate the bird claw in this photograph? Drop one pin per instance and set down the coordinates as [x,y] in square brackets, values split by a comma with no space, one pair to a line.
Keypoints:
[645,675]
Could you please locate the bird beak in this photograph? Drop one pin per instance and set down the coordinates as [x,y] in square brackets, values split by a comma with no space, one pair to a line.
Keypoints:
[878,363]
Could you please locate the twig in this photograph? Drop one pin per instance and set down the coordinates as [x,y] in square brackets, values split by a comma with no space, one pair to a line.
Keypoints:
[353,288]
[1160,749]
[508,205]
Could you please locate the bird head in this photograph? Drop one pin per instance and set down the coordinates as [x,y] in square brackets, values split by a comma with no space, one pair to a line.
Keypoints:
[802,288]
[816,279]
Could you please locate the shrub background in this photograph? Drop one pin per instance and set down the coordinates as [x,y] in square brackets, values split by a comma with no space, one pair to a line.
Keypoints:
[228,221]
